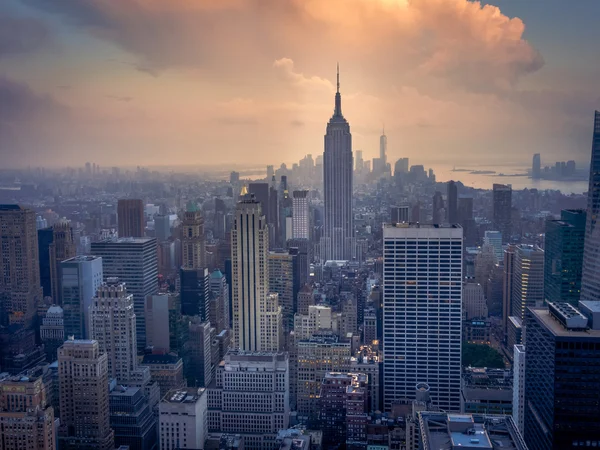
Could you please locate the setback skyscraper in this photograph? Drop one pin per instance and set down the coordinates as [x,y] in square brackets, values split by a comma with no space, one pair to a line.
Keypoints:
[338,240]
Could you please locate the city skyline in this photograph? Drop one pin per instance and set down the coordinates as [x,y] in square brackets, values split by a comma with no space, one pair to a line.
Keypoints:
[493,82]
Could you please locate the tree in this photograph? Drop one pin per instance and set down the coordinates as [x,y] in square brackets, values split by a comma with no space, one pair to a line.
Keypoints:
[478,355]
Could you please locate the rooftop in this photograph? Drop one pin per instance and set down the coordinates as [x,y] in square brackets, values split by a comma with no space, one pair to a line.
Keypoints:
[187,395]
[420,225]
[556,328]
[160,359]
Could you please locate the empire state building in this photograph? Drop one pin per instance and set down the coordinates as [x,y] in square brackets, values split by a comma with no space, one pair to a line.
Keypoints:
[338,237]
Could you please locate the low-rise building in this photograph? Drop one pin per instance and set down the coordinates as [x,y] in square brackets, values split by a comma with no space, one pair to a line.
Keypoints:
[487,391]
[183,419]
[166,370]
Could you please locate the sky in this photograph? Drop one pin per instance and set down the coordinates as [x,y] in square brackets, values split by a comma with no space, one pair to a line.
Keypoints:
[252,82]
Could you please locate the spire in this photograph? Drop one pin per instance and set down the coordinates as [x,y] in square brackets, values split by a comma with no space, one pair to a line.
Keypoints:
[338,96]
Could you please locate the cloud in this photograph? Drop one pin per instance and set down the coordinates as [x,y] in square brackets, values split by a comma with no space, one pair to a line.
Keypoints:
[285,67]
[21,35]
[120,98]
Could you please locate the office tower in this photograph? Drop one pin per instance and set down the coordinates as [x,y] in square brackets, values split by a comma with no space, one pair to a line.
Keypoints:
[337,175]
[45,238]
[563,256]
[183,419]
[193,241]
[18,349]
[320,354]
[234,177]
[302,250]
[468,431]
[132,419]
[166,258]
[400,213]
[84,406]
[281,281]
[300,215]
[518,411]
[465,209]
[52,332]
[401,167]
[502,210]
[20,289]
[487,391]
[26,416]
[198,367]
[219,303]
[166,370]
[536,167]
[562,402]
[422,309]
[415,213]
[437,214]
[474,301]
[319,318]
[81,278]
[452,201]
[383,148]
[527,280]
[134,262]
[162,227]
[343,401]
[130,217]
[195,292]
[62,248]
[286,209]
[257,316]
[507,285]
[112,325]
[494,238]
[305,299]
[251,397]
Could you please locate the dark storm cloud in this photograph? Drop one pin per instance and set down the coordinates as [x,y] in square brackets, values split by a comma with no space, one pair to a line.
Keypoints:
[21,35]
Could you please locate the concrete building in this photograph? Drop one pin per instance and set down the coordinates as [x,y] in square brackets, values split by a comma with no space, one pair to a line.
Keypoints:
[319,318]
[507,286]
[305,299]
[183,419]
[52,332]
[502,210]
[166,370]
[134,261]
[452,202]
[422,310]
[282,280]
[81,278]
[62,247]
[193,241]
[219,303]
[250,397]
[132,419]
[164,323]
[257,317]
[366,361]
[27,419]
[400,213]
[518,411]
[162,227]
[300,215]
[468,431]
[199,368]
[195,292]
[494,238]
[563,351]
[487,391]
[130,216]
[474,303]
[84,405]
[527,279]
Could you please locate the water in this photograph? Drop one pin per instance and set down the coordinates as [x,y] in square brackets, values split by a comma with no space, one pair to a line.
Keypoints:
[514,175]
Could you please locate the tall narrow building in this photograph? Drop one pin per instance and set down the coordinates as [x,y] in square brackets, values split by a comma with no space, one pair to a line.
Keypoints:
[256,313]
[63,247]
[422,311]
[300,215]
[130,217]
[193,241]
[527,280]
[590,281]
[338,240]
[502,210]
[452,202]
[383,148]
[20,288]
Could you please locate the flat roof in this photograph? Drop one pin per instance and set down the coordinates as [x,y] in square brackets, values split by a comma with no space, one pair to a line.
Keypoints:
[187,395]
[544,316]
[421,225]
[591,305]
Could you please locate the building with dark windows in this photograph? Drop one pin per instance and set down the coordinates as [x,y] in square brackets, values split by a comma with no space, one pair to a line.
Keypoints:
[527,279]
[130,216]
[562,398]
[452,202]
[502,210]
[195,292]
[563,257]
[132,419]
[536,167]
[487,391]
[338,240]
[590,282]
[45,238]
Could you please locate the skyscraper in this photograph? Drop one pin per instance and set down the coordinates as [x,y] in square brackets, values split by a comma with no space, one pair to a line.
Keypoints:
[300,215]
[563,250]
[130,217]
[507,285]
[256,313]
[162,227]
[383,148]
[437,213]
[84,407]
[282,282]
[502,206]
[337,174]
[20,288]
[45,238]
[527,280]
[422,311]
[193,241]
[81,278]
[536,166]
[452,202]
[400,213]
[590,281]
[494,238]
[62,247]
[134,262]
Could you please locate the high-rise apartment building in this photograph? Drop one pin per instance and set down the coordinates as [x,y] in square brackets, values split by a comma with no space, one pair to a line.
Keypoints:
[62,248]
[452,202]
[527,279]
[81,277]
[20,288]
[563,256]
[337,175]
[183,419]
[130,217]
[590,282]
[282,281]
[257,319]
[562,402]
[300,215]
[26,416]
[250,397]
[112,325]
[193,241]
[502,210]
[84,406]
[422,310]
[134,262]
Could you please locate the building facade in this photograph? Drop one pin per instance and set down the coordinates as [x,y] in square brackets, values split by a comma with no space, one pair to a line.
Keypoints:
[130,217]
[300,215]
[502,210]
[183,419]
[527,279]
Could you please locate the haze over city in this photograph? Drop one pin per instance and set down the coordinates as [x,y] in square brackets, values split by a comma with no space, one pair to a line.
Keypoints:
[204,82]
